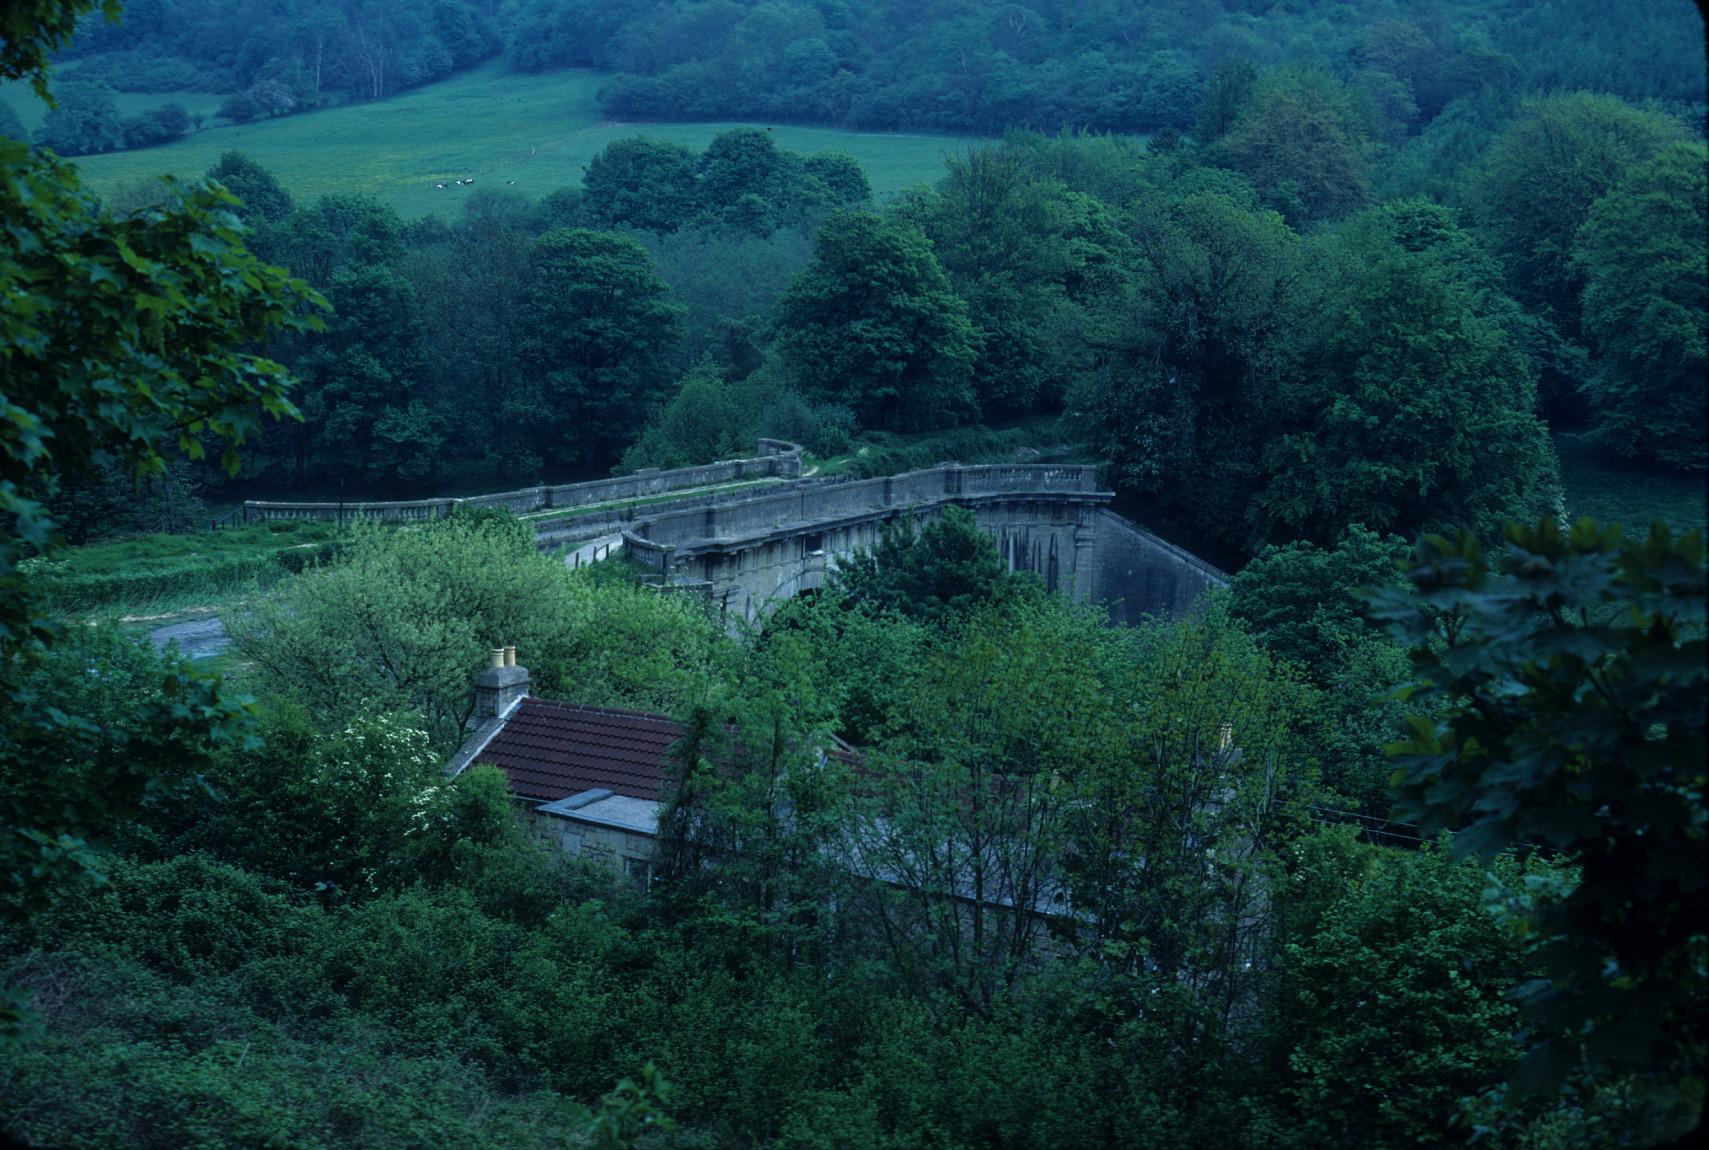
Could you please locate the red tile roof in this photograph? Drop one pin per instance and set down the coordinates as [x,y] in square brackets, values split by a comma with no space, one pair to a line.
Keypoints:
[553,750]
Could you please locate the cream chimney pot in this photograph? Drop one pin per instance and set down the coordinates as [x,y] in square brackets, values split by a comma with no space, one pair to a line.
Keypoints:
[499,687]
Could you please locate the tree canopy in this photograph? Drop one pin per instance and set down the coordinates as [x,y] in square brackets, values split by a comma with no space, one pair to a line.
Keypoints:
[873,323]
[1415,411]
[595,328]
[1540,179]
[1645,309]
[125,340]
[945,568]
[1572,670]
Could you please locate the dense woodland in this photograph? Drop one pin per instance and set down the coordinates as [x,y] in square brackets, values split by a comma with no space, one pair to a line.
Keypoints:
[947,65]
[1398,841]
[1270,328]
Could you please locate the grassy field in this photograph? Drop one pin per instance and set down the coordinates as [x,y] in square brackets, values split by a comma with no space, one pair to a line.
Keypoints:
[490,124]
[1610,492]
[31,110]
[168,574]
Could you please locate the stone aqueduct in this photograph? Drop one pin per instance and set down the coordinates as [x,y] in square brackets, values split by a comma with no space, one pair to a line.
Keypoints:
[747,546]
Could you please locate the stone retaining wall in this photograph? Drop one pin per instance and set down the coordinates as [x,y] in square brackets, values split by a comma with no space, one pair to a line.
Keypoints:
[1139,574]
[776,460]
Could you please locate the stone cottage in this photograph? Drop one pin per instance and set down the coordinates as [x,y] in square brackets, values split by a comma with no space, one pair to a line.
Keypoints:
[591,779]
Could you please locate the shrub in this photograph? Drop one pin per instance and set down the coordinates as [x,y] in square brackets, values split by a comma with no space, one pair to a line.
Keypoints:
[85,121]
[822,428]
[241,107]
[424,604]
[159,125]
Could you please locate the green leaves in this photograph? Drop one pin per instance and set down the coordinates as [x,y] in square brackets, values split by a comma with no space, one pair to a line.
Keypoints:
[1388,1001]
[404,616]
[640,183]
[1298,138]
[935,575]
[1411,410]
[122,341]
[632,1110]
[595,330]
[1540,178]
[873,323]
[1572,675]
[1646,297]
[31,29]
[96,725]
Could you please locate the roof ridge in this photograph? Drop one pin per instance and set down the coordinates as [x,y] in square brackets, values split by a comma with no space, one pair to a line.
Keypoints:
[589,709]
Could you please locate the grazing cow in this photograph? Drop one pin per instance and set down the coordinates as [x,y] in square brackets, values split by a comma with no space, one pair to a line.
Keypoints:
[510,183]
[441,186]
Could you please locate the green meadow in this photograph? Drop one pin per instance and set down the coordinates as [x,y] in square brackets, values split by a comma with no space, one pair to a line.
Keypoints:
[1612,492]
[167,573]
[490,124]
[31,110]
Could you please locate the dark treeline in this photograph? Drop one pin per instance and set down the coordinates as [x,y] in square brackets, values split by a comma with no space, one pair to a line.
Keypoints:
[273,59]
[287,55]
[1270,329]
[525,339]
[946,64]
[1129,66]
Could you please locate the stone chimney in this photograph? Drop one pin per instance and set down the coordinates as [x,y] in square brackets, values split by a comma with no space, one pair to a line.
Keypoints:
[499,685]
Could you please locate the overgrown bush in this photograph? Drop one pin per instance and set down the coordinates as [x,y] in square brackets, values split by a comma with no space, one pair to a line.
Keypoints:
[822,428]
[885,454]
[403,618]
[159,125]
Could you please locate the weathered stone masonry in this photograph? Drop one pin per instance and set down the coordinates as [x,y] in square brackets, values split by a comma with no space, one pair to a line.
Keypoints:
[749,550]
[774,460]
[1051,520]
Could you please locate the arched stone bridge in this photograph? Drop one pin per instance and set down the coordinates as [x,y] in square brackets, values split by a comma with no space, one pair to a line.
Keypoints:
[1052,520]
[751,532]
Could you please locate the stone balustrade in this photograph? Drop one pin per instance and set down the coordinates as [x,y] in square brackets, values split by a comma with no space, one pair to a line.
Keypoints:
[747,550]
[775,460]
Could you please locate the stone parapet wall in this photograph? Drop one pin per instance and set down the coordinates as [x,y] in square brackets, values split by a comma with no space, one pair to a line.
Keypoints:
[776,460]
[804,505]
[554,530]
[748,553]
[747,550]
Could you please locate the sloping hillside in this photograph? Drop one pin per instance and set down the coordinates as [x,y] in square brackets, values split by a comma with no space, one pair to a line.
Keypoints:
[493,125]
